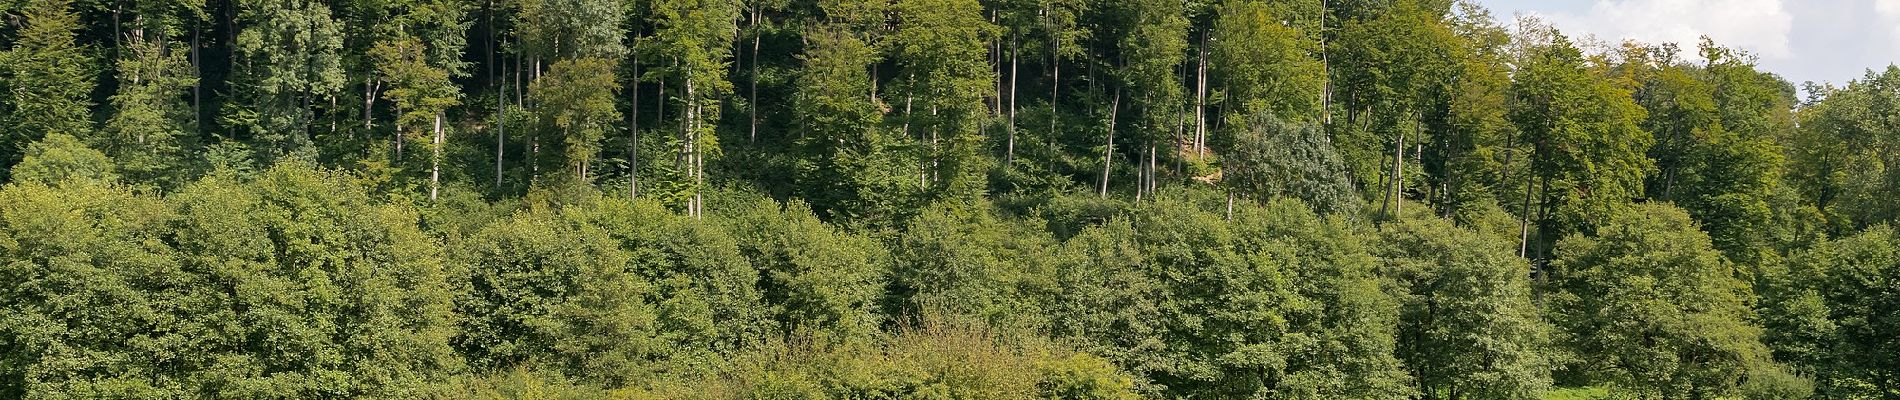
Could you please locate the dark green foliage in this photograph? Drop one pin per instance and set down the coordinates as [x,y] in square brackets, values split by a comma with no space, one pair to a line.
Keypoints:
[49,77]
[1279,302]
[1650,307]
[925,199]
[818,280]
[1269,158]
[1468,327]
[1834,305]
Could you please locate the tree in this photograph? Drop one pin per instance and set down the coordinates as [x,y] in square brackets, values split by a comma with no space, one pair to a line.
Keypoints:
[968,263]
[90,298]
[1277,303]
[698,33]
[576,97]
[852,170]
[152,122]
[1392,65]
[545,292]
[297,284]
[1267,158]
[1834,305]
[1587,151]
[1262,53]
[939,48]
[59,158]
[1716,153]
[423,92]
[49,78]
[1468,327]
[286,60]
[819,281]
[1152,42]
[1650,307]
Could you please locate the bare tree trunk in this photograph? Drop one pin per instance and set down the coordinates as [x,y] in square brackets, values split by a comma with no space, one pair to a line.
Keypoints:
[1009,155]
[1108,152]
[1200,101]
[1326,65]
[633,131]
[501,129]
[1524,221]
[435,161]
[757,35]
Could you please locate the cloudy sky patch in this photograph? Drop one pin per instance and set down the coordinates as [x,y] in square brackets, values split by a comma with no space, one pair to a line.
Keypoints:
[1802,40]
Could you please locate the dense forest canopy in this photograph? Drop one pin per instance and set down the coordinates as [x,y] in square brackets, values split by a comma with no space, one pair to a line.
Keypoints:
[885,199]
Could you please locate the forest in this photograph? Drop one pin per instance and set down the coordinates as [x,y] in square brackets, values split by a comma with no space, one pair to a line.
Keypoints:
[927,199]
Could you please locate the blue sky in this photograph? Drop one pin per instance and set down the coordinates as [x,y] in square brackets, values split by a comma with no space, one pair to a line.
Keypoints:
[1802,40]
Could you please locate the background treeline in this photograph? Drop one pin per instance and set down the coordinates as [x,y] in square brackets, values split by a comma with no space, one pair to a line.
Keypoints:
[1074,199]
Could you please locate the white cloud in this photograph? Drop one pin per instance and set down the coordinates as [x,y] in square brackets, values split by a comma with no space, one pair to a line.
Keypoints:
[1762,27]
[1889,13]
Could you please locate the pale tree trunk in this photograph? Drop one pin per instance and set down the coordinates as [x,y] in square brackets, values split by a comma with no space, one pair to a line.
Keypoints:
[1009,155]
[757,36]
[501,129]
[435,160]
[1326,66]
[633,131]
[1200,101]
[1394,185]
[1108,152]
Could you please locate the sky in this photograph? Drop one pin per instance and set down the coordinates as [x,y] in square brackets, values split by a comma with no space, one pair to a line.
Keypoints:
[1831,41]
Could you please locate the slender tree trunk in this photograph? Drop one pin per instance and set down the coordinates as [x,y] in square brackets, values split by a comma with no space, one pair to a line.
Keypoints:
[197,85]
[758,35]
[1326,65]
[435,161]
[633,129]
[1108,152]
[1393,184]
[1200,101]
[1009,155]
[369,100]
[501,129]
[1524,220]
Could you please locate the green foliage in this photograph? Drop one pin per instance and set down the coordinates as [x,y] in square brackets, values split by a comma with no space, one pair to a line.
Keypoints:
[1468,326]
[1833,306]
[48,78]
[289,286]
[853,168]
[938,360]
[1264,61]
[1280,302]
[60,158]
[818,281]
[1650,307]
[152,121]
[1269,159]
[938,47]
[1587,152]
[287,56]
[971,263]
[576,101]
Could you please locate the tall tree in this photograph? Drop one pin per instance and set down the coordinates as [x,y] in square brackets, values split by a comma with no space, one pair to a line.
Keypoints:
[1152,43]
[575,98]
[49,78]
[1587,151]
[152,120]
[1651,308]
[287,59]
[698,35]
[852,169]
[939,48]
[423,92]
